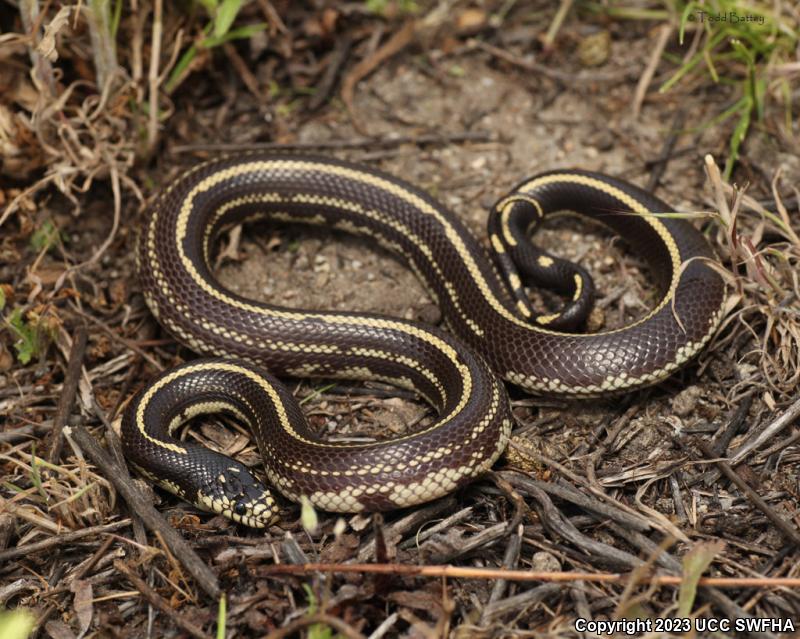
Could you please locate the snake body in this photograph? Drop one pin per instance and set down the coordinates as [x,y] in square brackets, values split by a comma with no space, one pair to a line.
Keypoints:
[483,303]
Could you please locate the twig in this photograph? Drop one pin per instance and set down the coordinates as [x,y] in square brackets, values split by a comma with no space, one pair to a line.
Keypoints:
[244,72]
[790,532]
[592,505]
[409,522]
[60,540]
[152,76]
[555,25]
[519,602]
[273,18]
[67,397]
[461,572]
[324,87]
[553,74]
[510,560]
[140,505]
[103,49]
[394,45]
[784,443]
[8,524]
[445,524]
[557,524]
[479,540]
[129,344]
[659,165]
[158,602]
[733,427]
[781,422]
[382,629]
[116,192]
[652,64]
[521,508]
[86,566]
[357,143]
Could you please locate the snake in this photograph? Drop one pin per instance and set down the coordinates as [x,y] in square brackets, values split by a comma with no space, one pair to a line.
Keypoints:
[492,333]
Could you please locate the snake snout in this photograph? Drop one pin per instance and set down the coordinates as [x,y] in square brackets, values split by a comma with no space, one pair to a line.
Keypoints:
[239,495]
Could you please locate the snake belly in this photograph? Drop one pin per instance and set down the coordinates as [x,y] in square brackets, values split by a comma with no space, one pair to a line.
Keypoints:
[473,420]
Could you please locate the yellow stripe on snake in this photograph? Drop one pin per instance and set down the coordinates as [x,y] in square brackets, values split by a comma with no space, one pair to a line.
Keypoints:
[494,334]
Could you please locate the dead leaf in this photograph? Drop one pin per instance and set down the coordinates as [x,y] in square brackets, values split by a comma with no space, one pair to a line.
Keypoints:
[695,563]
[47,45]
[341,549]
[58,630]
[418,600]
[471,21]
[84,610]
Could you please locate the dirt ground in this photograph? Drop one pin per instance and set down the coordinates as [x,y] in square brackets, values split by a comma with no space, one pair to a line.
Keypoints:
[626,475]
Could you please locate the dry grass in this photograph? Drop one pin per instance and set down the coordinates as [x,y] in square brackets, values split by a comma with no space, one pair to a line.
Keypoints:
[761,252]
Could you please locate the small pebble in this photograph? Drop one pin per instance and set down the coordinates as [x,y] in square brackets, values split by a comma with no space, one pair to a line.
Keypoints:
[478,163]
[545,562]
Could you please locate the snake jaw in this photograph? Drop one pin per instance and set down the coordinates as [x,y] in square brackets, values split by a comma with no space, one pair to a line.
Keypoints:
[236,494]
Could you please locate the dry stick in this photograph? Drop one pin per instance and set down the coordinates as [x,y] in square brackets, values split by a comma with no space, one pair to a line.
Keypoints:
[129,344]
[409,522]
[664,559]
[791,413]
[784,443]
[461,572]
[523,601]
[61,539]
[23,432]
[624,529]
[553,74]
[555,25]
[394,45]
[521,508]
[650,70]
[244,72]
[140,505]
[510,560]
[325,86]
[67,398]
[484,538]
[557,524]
[660,164]
[445,524]
[92,562]
[724,438]
[157,601]
[152,76]
[357,143]
[790,532]
[586,502]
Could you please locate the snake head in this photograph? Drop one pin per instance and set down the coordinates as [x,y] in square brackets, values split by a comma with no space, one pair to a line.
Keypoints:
[236,494]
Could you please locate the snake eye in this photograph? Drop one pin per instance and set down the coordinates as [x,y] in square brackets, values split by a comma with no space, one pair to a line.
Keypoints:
[240,508]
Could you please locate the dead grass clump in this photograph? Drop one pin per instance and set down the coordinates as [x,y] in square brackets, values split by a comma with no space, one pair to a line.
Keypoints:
[762,249]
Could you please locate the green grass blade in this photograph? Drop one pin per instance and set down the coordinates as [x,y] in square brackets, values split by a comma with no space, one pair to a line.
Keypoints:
[695,564]
[226,14]
[222,613]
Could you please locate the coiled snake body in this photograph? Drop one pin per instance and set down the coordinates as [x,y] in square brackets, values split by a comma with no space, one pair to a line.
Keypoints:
[484,305]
